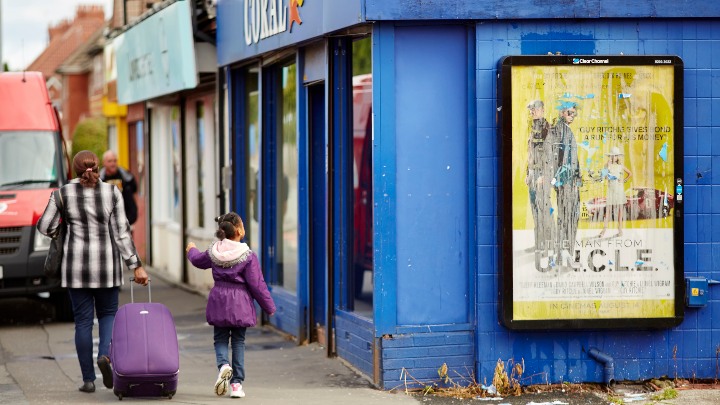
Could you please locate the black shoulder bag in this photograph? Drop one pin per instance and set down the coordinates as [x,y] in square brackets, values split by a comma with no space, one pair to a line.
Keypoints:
[53,260]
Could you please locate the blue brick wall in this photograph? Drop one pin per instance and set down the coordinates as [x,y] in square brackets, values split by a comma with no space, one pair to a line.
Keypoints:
[687,350]
[354,340]
[422,354]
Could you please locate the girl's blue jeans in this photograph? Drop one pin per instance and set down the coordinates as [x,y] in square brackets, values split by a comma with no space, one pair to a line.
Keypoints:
[85,303]
[236,338]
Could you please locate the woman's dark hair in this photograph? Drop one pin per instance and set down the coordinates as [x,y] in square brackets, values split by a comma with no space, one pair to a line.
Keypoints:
[228,224]
[85,165]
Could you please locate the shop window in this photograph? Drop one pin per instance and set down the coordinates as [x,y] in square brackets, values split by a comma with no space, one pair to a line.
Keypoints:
[201,158]
[112,138]
[140,156]
[201,142]
[362,266]
[286,181]
[165,155]
[174,183]
[252,159]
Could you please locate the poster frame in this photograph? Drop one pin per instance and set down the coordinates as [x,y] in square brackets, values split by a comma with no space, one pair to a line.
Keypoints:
[505,193]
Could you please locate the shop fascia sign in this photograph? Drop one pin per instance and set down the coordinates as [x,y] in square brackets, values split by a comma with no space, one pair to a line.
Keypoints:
[265,18]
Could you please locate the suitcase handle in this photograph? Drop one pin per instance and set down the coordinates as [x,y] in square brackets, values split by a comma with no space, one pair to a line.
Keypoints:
[132,297]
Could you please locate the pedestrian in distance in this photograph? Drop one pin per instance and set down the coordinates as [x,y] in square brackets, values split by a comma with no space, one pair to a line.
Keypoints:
[617,175]
[238,280]
[96,244]
[123,180]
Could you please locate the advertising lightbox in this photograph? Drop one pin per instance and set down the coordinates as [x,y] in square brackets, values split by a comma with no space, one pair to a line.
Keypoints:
[591,191]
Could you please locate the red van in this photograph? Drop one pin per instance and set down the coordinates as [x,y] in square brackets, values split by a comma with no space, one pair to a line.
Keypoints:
[33,162]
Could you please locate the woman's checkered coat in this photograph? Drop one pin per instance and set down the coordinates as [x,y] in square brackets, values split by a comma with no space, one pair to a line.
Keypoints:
[98,235]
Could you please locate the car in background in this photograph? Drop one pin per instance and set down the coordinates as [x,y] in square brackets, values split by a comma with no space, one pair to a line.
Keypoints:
[642,203]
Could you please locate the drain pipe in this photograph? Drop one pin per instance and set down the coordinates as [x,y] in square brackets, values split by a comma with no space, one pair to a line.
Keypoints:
[607,361]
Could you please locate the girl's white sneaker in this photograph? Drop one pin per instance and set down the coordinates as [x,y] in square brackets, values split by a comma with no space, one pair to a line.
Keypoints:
[236,391]
[221,384]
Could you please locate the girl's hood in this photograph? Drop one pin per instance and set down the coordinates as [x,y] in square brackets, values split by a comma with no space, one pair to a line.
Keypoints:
[227,253]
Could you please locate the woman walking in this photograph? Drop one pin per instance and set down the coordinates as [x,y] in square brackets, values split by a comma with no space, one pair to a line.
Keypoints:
[97,239]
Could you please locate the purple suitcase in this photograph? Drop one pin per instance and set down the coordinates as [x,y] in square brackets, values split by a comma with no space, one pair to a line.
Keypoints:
[144,350]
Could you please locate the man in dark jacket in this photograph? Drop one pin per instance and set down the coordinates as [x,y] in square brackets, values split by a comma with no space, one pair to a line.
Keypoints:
[124,180]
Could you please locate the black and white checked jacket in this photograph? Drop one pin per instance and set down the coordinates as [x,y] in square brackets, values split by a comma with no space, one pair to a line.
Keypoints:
[98,235]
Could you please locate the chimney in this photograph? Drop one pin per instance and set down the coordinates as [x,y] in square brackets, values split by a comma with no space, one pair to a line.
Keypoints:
[83,13]
[56,31]
[89,12]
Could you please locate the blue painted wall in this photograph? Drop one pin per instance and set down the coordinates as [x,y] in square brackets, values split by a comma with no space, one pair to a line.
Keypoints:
[432,171]
[685,351]
[522,9]
[423,218]
[434,303]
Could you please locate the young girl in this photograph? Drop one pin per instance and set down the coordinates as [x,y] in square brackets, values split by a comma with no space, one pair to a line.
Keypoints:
[617,174]
[230,309]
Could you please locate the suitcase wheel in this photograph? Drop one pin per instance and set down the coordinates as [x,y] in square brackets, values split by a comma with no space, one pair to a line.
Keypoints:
[169,394]
[118,394]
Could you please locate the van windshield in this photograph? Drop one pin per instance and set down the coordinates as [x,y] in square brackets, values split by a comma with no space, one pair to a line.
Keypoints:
[28,160]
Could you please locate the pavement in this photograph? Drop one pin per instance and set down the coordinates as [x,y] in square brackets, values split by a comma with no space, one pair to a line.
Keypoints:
[278,371]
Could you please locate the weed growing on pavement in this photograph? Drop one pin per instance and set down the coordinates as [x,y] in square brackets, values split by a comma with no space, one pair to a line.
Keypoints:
[616,400]
[668,393]
[464,387]
[450,383]
[505,384]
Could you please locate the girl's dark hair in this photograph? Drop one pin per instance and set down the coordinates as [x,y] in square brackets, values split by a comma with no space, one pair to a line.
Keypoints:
[85,165]
[228,224]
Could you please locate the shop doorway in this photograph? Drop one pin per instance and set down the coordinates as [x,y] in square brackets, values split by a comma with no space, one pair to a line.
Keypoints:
[320,289]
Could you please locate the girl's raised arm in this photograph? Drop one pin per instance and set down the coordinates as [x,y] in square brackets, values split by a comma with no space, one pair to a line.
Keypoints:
[199,259]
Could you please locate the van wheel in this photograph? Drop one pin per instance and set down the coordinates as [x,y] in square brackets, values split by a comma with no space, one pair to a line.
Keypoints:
[63,306]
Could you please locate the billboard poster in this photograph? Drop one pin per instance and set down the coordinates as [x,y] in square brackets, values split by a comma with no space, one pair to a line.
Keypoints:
[591,169]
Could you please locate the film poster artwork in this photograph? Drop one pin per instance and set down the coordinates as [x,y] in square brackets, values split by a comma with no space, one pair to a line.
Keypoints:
[592,181]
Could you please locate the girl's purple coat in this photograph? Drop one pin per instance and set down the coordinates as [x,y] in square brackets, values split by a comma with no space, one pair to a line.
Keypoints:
[230,301]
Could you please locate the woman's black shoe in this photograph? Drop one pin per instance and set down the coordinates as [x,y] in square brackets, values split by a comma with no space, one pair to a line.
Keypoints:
[104,366]
[88,386]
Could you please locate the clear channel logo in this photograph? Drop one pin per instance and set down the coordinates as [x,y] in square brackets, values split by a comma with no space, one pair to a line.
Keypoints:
[580,61]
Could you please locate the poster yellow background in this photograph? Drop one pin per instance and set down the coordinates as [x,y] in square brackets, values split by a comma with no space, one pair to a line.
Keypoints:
[630,107]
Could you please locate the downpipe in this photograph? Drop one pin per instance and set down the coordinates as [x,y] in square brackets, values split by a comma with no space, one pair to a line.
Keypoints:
[607,361]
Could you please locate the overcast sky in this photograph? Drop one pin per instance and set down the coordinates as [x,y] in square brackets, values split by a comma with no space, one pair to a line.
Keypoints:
[25,26]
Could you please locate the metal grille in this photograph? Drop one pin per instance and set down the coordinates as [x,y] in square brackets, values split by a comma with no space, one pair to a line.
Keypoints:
[10,239]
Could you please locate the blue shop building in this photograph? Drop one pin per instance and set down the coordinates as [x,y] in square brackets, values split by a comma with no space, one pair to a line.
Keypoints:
[381,155]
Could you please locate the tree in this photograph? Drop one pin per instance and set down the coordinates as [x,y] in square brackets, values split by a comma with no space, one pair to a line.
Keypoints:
[90,134]
[362,56]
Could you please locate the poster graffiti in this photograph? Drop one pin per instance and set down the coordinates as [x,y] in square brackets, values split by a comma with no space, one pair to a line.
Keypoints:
[593,191]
